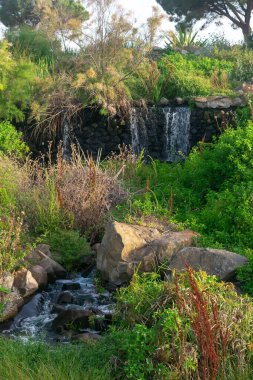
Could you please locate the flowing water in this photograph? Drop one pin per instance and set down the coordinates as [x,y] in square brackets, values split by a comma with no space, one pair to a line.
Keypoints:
[166,133]
[35,319]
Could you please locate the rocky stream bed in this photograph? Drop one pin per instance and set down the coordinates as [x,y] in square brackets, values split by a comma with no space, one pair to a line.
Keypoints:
[68,309]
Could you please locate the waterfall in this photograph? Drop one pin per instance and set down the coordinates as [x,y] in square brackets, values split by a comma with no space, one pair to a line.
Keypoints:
[138,132]
[176,132]
[163,133]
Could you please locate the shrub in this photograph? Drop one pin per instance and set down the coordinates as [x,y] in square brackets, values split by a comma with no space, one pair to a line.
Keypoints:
[193,76]
[11,250]
[68,247]
[11,247]
[17,78]
[60,196]
[195,327]
[11,141]
[88,191]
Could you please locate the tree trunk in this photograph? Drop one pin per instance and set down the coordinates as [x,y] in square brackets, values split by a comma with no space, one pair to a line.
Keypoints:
[246,29]
[246,33]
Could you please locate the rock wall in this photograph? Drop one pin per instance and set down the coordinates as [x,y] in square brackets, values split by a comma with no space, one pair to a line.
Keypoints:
[94,132]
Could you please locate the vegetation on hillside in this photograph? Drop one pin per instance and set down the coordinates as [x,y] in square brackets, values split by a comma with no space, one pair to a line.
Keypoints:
[55,60]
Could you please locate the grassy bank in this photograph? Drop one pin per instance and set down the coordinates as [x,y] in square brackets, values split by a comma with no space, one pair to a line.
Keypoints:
[36,361]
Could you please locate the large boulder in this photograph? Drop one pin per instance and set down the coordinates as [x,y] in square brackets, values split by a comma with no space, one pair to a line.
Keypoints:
[38,253]
[54,270]
[125,248]
[41,256]
[220,263]
[11,302]
[40,275]
[25,283]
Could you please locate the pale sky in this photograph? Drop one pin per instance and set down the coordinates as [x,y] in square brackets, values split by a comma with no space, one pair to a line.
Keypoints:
[142,9]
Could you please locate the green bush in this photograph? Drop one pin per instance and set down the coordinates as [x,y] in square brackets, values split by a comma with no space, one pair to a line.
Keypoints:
[34,43]
[11,141]
[17,80]
[210,192]
[68,247]
[191,75]
[245,274]
[241,59]
[166,329]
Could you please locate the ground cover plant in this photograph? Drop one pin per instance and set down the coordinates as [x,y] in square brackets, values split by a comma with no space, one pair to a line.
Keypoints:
[56,60]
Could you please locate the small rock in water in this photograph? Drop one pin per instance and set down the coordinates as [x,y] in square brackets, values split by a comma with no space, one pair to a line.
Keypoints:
[65,297]
[72,319]
[71,286]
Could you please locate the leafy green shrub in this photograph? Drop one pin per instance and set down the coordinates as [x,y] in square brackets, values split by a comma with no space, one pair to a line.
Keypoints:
[240,58]
[191,328]
[191,75]
[11,140]
[68,247]
[245,274]
[34,43]
[17,78]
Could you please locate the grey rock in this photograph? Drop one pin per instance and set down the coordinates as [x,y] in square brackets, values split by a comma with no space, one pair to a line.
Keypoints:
[125,248]
[53,269]
[25,283]
[86,337]
[164,102]
[216,102]
[74,319]
[7,280]
[220,263]
[65,298]
[71,286]
[12,302]
[40,275]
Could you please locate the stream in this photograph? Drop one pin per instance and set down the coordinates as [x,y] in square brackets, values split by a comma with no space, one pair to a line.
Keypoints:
[63,307]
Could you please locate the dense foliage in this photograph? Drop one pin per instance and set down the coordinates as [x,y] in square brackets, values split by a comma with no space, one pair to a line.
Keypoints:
[54,62]
[203,192]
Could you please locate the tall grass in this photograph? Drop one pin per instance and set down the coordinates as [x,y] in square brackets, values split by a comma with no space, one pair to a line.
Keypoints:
[36,361]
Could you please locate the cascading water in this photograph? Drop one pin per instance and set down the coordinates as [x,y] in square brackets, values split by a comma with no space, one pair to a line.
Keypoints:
[36,318]
[138,132]
[163,133]
[176,131]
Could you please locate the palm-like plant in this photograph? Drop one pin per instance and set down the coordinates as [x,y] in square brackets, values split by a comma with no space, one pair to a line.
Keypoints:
[183,39]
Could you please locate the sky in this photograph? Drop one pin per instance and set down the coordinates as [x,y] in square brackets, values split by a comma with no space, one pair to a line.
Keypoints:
[142,9]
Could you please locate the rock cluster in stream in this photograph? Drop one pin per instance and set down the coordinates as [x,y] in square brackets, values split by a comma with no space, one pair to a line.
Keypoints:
[126,248]
[38,270]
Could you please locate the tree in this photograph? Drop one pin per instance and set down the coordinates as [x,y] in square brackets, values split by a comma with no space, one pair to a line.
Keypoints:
[239,12]
[18,12]
[63,18]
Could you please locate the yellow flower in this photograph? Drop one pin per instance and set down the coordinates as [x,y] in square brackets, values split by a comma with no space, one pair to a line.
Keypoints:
[91,73]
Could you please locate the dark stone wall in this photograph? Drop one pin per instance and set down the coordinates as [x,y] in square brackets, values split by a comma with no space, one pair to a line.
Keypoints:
[207,123]
[94,132]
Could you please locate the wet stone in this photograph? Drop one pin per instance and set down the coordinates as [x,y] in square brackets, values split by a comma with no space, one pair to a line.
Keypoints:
[65,297]
[55,315]
[71,286]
